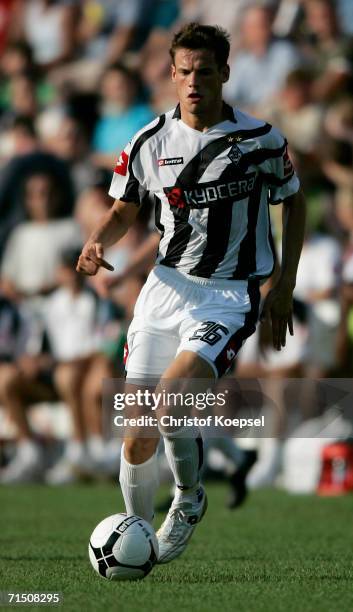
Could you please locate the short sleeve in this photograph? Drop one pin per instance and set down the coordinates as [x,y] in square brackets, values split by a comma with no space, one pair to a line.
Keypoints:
[125,184]
[278,169]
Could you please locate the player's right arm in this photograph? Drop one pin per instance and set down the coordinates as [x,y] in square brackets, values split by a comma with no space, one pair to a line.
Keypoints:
[128,188]
[114,226]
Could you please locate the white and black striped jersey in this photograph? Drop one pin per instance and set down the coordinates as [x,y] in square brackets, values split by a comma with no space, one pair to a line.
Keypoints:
[212,191]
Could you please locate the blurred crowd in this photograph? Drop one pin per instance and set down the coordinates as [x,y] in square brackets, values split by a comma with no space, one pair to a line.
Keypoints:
[78,78]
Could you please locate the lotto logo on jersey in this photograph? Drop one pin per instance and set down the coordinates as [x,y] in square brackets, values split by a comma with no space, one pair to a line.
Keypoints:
[287,165]
[121,166]
[171,161]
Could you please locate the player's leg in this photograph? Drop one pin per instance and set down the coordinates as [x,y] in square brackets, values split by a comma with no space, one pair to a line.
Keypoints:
[139,468]
[148,353]
[211,335]
[139,481]
[184,451]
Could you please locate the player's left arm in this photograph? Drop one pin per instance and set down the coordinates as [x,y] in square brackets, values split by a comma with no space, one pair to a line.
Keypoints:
[278,305]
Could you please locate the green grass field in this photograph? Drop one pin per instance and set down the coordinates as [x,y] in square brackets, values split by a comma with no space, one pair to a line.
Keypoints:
[276,553]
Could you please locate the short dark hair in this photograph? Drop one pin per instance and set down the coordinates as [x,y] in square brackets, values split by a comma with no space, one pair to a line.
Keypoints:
[197,36]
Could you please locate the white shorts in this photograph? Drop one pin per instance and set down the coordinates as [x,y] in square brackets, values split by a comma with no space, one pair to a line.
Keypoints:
[176,312]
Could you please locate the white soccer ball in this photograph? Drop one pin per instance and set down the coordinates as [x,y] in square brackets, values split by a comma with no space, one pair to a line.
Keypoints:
[123,547]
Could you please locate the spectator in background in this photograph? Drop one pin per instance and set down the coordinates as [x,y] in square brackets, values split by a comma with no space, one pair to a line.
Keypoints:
[122,114]
[22,98]
[20,138]
[34,246]
[310,353]
[74,331]
[24,379]
[27,160]
[337,149]
[64,136]
[107,30]
[72,371]
[330,52]
[289,16]
[260,54]
[295,113]
[229,15]
[17,59]
[48,27]
[318,292]
[22,103]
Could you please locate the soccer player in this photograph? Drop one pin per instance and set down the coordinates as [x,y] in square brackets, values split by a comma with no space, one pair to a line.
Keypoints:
[213,171]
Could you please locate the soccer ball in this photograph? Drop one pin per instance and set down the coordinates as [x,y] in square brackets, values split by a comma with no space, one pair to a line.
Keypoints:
[123,547]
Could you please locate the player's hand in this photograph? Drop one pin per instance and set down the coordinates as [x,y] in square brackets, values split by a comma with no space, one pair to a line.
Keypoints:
[278,310]
[91,259]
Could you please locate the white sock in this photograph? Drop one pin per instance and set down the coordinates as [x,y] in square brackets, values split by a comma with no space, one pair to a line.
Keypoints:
[184,456]
[138,485]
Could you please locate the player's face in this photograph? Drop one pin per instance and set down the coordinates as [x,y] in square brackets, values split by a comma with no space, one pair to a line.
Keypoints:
[198,80]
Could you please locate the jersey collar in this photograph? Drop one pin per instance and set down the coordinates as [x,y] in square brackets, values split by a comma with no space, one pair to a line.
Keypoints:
[228,113]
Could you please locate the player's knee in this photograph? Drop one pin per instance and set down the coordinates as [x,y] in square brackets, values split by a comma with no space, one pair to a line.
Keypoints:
[189,365]
[139,450]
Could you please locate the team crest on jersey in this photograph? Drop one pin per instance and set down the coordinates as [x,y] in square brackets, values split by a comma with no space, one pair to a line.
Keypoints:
[235,154]
[121,166]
